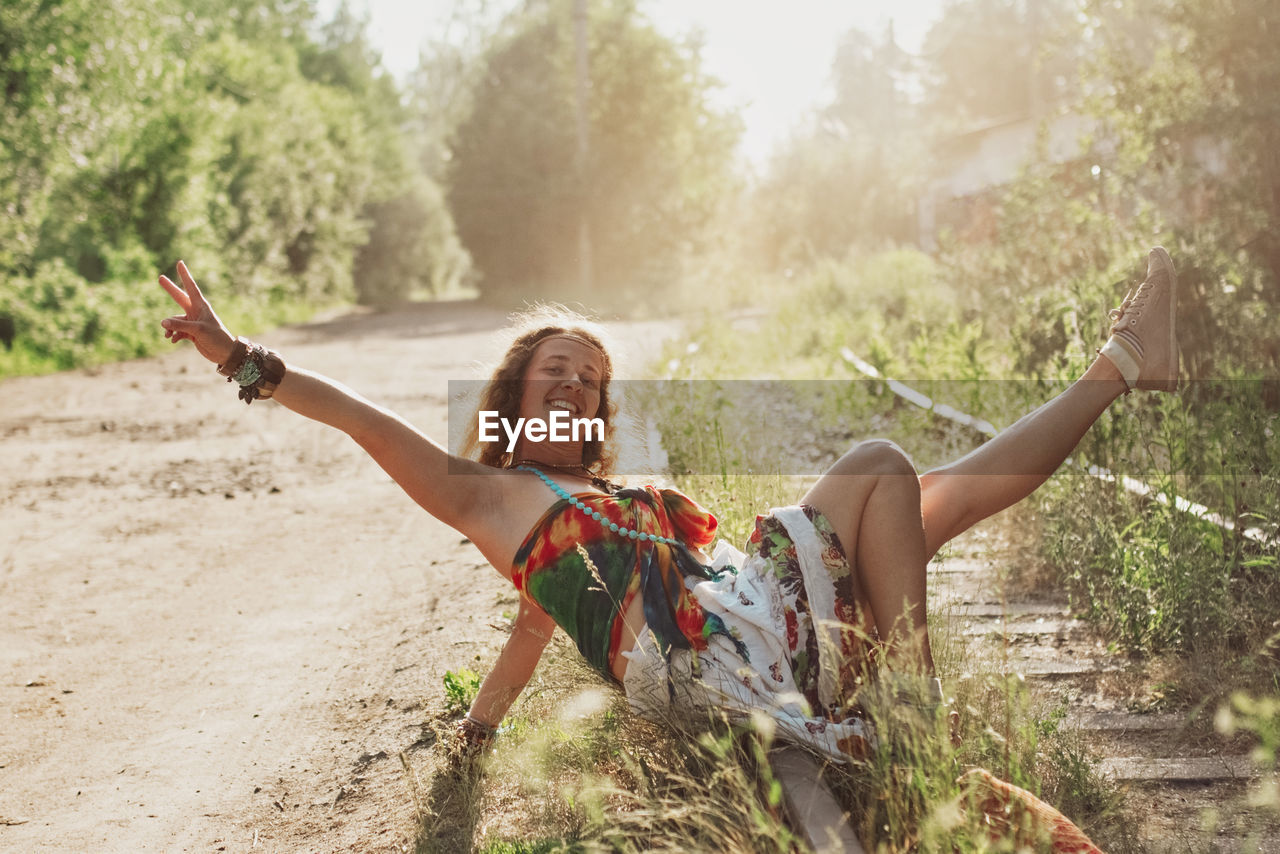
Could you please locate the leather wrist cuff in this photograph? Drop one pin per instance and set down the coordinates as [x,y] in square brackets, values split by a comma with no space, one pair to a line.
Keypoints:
[234,362]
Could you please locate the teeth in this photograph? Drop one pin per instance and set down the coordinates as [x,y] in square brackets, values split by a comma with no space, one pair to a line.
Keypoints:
[563,404]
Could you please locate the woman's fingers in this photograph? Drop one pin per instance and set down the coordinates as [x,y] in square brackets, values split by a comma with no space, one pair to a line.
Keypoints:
[193,290]
[200,325]
[178,294]
[179,326]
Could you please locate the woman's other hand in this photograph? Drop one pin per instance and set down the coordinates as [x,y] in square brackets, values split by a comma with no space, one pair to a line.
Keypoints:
[199,324]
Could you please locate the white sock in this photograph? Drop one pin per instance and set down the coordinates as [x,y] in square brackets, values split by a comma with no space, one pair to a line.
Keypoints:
[1122,354]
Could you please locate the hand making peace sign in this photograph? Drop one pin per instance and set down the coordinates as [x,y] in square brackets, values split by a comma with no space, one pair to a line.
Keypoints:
[200,324]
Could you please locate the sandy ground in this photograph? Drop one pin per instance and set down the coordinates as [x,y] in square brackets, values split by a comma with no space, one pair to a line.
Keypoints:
[220,627]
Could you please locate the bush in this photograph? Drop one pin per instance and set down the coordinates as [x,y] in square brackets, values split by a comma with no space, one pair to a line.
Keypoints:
[460,688]
[61,320]
[412,248]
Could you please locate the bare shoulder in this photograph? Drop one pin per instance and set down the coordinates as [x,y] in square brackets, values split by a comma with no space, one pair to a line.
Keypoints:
[507,506]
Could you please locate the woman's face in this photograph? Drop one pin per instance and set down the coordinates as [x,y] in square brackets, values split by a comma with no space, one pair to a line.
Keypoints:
[563,374]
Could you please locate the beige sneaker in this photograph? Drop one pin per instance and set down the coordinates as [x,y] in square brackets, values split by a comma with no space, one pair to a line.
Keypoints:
[1143,342]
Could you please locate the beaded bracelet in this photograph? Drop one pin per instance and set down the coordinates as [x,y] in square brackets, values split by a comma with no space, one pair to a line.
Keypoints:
[248,374]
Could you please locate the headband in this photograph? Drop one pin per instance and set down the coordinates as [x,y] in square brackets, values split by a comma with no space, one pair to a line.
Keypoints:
[570,336]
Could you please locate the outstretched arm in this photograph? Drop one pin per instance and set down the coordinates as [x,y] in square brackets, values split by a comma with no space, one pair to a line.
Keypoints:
[415,462]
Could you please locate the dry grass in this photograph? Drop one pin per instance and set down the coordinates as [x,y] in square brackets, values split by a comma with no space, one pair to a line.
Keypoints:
[575,770]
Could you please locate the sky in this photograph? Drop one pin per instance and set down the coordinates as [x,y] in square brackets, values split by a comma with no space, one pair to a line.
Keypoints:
[774,58]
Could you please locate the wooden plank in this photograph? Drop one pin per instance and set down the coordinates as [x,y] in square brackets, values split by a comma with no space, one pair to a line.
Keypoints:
[1049,669]
[952,567]
[1037,626]
[1123,721]
[1004,609]
[1187,769]
[814,811]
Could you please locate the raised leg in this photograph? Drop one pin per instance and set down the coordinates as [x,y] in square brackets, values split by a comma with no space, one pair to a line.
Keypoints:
[1142,352]
[891,521]
[1014,463]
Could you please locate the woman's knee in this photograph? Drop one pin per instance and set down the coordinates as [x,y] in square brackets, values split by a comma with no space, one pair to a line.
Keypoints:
[875,457]
[877,470]
[845,487]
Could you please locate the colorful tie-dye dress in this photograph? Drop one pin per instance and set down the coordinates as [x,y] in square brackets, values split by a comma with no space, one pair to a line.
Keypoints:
[588,599]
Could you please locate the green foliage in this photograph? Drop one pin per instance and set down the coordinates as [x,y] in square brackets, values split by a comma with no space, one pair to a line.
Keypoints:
[659,162]
[736,420]
[850,181]
[460,688]
[1195,89]
[992,60]
[1259,716]
[825,195]
[136,132]
[1154,575]
[1179,154]
[1191,97]
[62,321]
[287,165]
[1139,568]
[1182,152]
[411,248]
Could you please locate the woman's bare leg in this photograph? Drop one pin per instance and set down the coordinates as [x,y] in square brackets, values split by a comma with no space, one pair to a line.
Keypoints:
[891,521]
[1014,463]
[871,496]
[1142,352]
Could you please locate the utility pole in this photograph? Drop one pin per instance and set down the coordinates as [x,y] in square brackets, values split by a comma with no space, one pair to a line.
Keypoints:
[1035,100]
[584,144]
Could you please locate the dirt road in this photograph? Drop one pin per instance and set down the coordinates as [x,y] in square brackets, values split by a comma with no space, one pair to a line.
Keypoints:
[220,626]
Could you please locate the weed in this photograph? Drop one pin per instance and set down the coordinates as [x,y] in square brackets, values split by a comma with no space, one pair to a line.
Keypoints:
[460,689]
[1259,716]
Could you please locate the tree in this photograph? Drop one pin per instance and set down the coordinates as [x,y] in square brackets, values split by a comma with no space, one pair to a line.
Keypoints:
[1190,97]
[1185,152]
[995,59]
[850,179]
[412,246]
[137,131]
[660,163]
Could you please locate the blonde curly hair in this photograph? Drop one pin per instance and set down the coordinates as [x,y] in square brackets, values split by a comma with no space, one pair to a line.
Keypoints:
[505,388]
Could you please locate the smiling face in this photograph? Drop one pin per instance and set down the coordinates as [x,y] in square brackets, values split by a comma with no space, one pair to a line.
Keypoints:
[567,375]
[559,363]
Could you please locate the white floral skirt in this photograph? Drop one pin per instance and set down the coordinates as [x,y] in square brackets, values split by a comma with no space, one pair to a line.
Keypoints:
[780,641]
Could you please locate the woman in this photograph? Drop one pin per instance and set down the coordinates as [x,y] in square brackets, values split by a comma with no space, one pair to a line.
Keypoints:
[623,572]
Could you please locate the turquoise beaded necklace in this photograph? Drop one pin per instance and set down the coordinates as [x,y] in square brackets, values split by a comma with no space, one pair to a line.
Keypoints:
[621,530]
